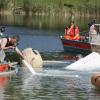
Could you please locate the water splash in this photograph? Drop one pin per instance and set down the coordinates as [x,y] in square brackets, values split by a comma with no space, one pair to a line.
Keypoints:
[29,67]
[56,75]
[51,73]
[2,55]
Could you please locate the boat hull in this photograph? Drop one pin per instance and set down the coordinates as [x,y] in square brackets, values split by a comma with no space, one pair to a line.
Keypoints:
[76,46]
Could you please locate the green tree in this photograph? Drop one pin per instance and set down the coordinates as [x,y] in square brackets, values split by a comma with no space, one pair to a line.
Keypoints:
[26,6]
[2,5]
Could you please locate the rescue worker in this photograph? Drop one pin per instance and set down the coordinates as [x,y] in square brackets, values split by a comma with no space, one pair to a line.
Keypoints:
[7,43]
[71,31]
[77,35]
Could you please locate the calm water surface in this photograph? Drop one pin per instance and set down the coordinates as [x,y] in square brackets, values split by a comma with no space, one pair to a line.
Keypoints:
[37,39]
[53,81]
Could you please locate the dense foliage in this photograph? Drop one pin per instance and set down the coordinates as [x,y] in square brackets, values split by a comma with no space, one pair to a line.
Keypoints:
[52,6]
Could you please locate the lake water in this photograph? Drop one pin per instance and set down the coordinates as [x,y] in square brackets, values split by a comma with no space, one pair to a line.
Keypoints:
[50,83]
[53,81]
[37,39]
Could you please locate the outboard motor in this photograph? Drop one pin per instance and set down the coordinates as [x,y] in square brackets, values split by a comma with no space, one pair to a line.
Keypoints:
[33,57]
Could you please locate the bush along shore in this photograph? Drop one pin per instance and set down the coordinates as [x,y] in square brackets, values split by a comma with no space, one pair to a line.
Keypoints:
[51,7]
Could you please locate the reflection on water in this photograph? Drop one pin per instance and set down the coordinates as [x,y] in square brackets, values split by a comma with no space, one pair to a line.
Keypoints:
[45,22]
[3,85]
[36,22]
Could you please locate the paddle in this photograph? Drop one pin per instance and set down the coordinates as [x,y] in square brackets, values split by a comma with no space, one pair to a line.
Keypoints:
[25,62]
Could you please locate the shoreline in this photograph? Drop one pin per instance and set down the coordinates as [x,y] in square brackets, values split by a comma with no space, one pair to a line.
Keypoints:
[52,13]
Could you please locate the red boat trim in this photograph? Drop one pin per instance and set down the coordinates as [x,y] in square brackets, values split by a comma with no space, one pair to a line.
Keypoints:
[76,44]
[85,46]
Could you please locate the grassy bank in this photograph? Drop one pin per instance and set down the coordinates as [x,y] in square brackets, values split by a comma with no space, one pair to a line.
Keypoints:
[54,7]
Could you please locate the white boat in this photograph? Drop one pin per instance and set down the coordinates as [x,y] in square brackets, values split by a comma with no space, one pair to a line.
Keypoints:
[89,63]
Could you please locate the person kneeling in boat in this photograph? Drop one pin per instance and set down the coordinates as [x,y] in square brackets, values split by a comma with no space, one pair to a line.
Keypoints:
[72,33]
[7,43]
[77,34]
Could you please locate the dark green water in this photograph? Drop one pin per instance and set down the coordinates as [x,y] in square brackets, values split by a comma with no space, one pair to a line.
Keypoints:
[53,81]
[45,22]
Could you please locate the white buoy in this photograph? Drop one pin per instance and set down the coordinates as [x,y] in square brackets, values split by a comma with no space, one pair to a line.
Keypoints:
[89,63]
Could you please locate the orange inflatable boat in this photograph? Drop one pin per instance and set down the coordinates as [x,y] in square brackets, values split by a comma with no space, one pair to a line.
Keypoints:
[4,67]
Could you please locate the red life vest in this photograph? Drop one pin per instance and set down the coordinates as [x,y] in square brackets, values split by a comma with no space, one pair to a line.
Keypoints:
[77,31]
[77,36]
[72,32]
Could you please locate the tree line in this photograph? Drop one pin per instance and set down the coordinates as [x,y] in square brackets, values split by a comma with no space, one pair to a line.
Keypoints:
[54,7]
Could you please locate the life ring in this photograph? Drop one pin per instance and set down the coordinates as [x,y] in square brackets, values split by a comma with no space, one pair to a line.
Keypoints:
[95,80]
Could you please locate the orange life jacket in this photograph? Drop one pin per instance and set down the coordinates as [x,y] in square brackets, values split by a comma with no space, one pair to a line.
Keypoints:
[77,34]
[72,32]
[77,30]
